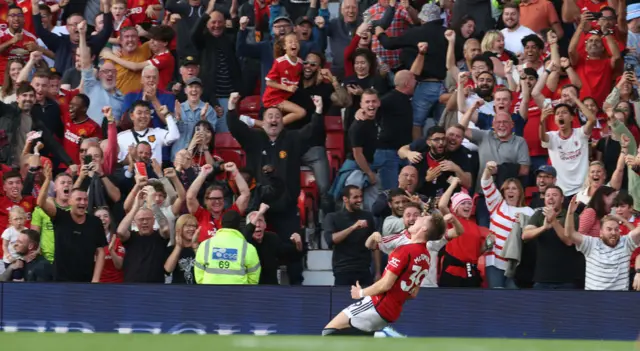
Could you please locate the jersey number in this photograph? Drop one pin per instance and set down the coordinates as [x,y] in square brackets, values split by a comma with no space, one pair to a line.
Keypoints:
[415,278]
[223,264]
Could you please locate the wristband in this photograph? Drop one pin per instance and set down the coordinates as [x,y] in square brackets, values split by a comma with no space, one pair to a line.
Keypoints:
[361,293]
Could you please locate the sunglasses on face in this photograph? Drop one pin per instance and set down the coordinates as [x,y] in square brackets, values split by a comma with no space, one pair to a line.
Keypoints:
[312,64]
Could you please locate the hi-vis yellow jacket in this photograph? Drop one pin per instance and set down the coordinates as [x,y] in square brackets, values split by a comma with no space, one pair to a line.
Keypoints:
[227,258]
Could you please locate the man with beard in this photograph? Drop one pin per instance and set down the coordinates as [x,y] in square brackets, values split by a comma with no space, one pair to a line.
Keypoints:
[314,83]
[40,221]
[269,245]
[568,146]
[558,264]
[347,232]
[596,68]
[480,89]
[438,157]
[79,237]
[78,126]
[500,145]
[397,201]
[282,149]
[128,81]
[513,31]
[608,256]
[101,93]
[36,267]
[545,177]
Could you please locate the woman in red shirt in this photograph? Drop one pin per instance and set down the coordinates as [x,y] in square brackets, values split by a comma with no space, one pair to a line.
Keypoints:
[114,253]
[461,254]
[599,206]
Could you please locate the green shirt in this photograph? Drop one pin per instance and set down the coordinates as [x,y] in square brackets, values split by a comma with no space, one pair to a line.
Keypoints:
[47,239]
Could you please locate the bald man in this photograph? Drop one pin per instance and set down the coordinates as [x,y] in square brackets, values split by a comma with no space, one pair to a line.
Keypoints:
[396,123]
[407,181]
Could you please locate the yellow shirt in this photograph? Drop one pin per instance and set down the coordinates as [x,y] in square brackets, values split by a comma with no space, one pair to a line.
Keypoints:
[129,81]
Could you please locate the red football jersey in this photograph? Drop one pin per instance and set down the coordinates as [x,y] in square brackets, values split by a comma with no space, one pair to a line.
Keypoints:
[25,5]
[137,8]
[110,274]
[283,71]
[28,203]
[4,12]
[165,63]
[411,264]
[17,50]
[73,132]
[126,22]
[209,225]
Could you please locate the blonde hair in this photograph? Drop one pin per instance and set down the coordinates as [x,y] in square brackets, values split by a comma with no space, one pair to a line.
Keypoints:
[518,185]
[490,37]
[17,210]
[587,179]
[183,220]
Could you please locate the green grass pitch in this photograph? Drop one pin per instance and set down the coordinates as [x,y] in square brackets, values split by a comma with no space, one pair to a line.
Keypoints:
[141,342]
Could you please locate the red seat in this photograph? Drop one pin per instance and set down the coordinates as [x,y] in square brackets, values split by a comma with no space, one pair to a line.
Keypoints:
[334,165]
[233,155]
[226,141]
[528,193]
[308,183]
[303,213]
[335,143]
[333,124]
[250,104]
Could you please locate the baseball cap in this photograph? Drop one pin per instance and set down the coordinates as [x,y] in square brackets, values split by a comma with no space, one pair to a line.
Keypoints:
[548,170]
[430,12]
[194,80]
[189,60]
[303,19]
[633,11]
[283,18]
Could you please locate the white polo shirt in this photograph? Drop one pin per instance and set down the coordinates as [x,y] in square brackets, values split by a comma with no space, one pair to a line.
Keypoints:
[156,137]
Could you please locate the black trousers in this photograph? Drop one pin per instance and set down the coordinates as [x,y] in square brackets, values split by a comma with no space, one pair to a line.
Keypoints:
[284,224]
[364,278]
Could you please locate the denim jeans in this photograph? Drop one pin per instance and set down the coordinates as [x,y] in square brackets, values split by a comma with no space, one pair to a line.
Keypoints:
[555,286]
[497,279]
[388,164]
[316,159]
[425,99]
[221,124]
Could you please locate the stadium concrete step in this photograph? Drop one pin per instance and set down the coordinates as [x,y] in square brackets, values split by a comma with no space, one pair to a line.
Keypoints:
[319,260]
[318,278]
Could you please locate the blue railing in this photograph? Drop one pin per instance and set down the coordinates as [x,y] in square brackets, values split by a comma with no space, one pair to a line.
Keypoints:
[305,310]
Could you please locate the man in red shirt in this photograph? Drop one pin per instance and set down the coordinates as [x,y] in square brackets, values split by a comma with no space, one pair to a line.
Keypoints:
[381,303]
[13,196]
[26,8]
[596,68]
[210,216]
[14,39]
[143,11]
[78,126]
[162,58]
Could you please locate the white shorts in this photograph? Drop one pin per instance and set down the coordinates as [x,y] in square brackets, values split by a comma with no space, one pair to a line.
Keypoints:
[363,316]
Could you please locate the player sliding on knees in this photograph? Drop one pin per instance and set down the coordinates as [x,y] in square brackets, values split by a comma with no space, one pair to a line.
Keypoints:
[381,303]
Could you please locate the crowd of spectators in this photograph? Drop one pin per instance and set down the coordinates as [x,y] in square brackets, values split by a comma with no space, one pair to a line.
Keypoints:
[133,131]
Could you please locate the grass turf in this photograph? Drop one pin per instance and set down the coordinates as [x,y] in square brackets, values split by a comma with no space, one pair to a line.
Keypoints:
[138,342]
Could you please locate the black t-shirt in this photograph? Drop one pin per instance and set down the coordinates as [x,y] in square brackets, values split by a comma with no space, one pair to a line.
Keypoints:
[350,255]
[437,187]
[183,274]
[38,270]
[555,261]
[144,261]
[303,98]
[396,120]
[363,134]
[75,246]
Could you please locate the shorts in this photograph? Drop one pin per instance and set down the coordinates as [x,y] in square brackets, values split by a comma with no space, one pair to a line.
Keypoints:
[363,316]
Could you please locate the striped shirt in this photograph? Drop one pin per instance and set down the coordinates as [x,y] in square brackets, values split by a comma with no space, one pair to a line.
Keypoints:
[501,218]
[607,267]
[390,242]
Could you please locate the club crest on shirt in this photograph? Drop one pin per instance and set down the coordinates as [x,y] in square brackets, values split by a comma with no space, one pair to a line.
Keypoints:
[25,9]
[152,138]
[26,206]
[282,154]
[82,132]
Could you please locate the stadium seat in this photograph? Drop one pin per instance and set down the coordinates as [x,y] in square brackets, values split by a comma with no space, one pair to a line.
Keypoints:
[335,144]
[334,165]
[250,105]
[305,207]
[333,124]
[236,156]
[308,183]
[226,141]
[528,193]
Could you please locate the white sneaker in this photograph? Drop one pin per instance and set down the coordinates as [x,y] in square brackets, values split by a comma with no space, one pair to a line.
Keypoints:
[389,332]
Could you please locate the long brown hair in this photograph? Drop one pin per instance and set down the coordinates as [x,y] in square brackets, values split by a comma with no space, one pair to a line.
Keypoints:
[279,47]
[7,85]
[518,185]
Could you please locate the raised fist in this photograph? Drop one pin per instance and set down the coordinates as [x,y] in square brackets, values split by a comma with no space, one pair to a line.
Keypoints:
[244,22]
[450,35]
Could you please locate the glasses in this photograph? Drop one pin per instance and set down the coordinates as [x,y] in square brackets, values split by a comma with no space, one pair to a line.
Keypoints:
[312,64]
[214,198]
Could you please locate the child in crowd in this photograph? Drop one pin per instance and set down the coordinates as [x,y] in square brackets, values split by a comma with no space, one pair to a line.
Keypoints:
[17,220]
[120,20]
[282,79]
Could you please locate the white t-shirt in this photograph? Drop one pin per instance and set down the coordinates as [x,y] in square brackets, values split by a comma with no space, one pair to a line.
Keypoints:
[607,267]
[156,137]
[11,235]
[513,39]
[570,157]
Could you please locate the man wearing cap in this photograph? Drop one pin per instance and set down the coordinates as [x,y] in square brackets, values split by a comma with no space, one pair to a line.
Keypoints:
[227,258]
[545,177]
[190,113]
[303,28]
[263,50]
[189,68]
[220,70]
[427,92]
[101,93]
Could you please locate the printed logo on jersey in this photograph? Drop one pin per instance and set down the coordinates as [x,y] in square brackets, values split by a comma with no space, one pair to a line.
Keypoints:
[224,254]
[72,137]
[152,138]
[394,262]
[421,258]
[283,154]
